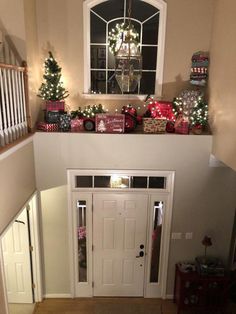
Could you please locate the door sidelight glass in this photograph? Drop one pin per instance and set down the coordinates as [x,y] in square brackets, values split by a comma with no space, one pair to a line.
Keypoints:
[158,209]
[82,241]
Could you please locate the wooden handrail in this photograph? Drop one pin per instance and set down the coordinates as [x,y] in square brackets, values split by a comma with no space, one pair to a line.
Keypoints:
[12,67]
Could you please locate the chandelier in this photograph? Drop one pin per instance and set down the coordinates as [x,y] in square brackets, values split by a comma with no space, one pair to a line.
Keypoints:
[128,58]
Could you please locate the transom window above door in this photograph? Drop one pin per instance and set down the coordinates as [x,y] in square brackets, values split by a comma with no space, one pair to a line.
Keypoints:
[100,17]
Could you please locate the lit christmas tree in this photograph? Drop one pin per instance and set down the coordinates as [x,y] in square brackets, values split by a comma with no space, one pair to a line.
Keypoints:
[52,87]
[195,109]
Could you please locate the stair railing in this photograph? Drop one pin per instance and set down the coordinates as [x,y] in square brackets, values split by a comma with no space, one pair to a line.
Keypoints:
[15,120]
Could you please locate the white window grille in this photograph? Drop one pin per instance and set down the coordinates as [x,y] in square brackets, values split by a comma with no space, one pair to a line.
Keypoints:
[149,19]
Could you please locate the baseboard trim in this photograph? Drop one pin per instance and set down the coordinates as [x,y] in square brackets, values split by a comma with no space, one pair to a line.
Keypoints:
[57,296]
[169,296]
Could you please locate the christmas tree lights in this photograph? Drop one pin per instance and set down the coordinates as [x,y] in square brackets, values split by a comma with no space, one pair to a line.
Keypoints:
[196,112]
[52,88]
[88,111]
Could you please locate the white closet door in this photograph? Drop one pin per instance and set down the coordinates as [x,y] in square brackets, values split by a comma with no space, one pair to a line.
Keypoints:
[16,254]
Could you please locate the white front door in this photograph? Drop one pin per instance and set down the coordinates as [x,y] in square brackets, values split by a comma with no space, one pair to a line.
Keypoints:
[119,239]
[15,248]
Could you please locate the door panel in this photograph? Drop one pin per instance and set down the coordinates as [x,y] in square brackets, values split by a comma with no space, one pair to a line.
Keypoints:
[119,228]
[15,248]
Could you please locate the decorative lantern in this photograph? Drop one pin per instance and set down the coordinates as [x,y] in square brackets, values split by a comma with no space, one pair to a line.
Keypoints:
[128,65]
[128,60]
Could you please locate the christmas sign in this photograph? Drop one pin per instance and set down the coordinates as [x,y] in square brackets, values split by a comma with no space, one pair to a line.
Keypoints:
[107,123]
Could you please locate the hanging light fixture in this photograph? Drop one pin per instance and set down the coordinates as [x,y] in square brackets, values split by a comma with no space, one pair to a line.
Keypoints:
[128,59]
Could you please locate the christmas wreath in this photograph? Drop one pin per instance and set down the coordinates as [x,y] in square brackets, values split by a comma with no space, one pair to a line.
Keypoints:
[119,33]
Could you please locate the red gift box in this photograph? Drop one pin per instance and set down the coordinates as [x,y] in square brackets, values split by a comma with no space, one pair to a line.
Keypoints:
[161,109]
[107,123]
[77,125]
[56,105]
[47,127]
[181,125]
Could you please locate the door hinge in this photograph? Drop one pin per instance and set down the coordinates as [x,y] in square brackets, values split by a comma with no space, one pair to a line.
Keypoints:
[31,248]
[92,284]
[92,247]
[33,285]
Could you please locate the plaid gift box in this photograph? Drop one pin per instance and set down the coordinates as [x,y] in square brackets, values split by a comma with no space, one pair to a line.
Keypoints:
[56,105]
[47,127]
[154,125]
[181,125]
[64,123]
[77,125]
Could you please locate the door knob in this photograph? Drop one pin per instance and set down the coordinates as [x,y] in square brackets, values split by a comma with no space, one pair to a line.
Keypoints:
[141,254]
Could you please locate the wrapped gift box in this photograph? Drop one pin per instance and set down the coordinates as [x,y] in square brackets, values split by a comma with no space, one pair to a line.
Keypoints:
[53,116]
[154,125]
[107,123]
[77,125]
[47,127]
[161,109]
[56,105]
[181,125]
[64,123]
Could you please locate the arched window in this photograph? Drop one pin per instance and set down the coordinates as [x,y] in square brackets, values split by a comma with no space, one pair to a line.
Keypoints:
[100,17]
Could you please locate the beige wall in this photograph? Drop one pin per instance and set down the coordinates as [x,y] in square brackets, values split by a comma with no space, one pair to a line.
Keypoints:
[60,28]
[12,20]
[55,240]
[17,184]
[204,197]
[34,66]
[222,82]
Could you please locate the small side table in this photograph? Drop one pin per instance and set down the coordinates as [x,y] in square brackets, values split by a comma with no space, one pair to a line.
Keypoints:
[193,290]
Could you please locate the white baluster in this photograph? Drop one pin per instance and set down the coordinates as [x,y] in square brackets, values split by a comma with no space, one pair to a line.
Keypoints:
[18,104]
[14,82]
[21,104]
[2,138]
[12,117]
[24,103]
[7,106]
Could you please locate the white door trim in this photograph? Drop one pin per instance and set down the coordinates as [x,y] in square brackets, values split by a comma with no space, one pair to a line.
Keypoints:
[168,192]
[35,240]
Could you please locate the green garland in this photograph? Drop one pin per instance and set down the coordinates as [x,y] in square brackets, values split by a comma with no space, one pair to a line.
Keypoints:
[117,34]
[87,112]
